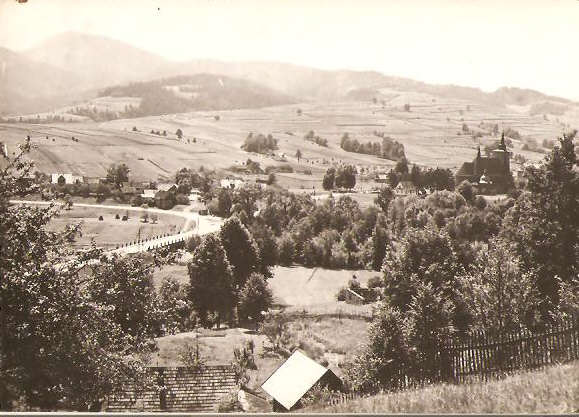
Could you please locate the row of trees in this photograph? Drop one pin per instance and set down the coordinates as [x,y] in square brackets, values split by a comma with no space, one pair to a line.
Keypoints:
[259,143]
[388,149]
[343,177]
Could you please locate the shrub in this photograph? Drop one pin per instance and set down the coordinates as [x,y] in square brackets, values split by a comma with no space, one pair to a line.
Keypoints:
[375,282]
[342,294]
[117,217]
[229,403]
[182,199]
[101,218]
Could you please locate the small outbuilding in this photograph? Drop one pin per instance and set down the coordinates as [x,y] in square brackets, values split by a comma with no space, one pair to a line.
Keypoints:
[288,384]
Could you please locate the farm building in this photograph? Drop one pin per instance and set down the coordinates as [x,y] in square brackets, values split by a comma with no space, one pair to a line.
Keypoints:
[382,178]
[165,200]
[496,169]
[149,194]
[231,183]
[405,188]
[179,389]
[294,378]
[63,179]
[167,187]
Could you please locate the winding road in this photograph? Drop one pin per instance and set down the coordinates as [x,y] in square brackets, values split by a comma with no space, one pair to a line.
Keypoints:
[203,225]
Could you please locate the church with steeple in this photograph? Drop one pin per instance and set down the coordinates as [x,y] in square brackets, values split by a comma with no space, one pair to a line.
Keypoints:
[490,174]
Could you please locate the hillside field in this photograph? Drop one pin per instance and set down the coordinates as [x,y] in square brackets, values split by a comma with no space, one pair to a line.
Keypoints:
[429,132]
[549,391]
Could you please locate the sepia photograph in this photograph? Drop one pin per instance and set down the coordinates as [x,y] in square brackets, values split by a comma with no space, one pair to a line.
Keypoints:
[275,206]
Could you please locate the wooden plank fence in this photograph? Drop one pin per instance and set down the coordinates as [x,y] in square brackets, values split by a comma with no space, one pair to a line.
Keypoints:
[482,356]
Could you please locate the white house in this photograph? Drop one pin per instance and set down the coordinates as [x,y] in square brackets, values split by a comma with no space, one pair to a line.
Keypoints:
[66,179]
[405,188]
[229,183]
[149,194]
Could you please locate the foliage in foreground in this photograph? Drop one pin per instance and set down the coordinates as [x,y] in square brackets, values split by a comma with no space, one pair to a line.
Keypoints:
[553,390]
[68,332]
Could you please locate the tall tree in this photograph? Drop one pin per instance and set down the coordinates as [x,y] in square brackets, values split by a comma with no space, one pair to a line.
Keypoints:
[329,178]
[117,174]
[211,280]
[543,225]
[384,198]
[241,250]
[497,293]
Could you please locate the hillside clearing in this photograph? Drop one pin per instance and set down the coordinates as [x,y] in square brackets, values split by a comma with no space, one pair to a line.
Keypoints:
[552,390]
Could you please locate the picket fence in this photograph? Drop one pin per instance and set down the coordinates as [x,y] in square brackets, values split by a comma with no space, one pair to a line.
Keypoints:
[481,356]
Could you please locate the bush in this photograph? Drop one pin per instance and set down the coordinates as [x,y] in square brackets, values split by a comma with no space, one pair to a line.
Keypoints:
[125,218]
[101,218]
[342,294]
[375,282]
[117,217]
[182,199]
[229,403]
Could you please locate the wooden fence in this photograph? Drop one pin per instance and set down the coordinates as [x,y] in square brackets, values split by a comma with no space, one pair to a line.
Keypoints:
[482,356]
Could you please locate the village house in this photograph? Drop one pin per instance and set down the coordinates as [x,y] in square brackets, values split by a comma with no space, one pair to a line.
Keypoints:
[165,200]
[172,188]
[382,178]
[495,168]
[288,384]
[231,183]
[148,195]
[405,188]
[62,179]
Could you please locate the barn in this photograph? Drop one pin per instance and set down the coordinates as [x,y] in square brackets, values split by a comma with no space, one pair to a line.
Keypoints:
[288,384]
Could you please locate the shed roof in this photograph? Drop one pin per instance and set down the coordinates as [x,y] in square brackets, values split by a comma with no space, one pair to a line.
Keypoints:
[293,379]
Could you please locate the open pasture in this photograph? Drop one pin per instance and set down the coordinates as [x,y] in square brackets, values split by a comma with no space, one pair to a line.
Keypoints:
[111,232]
[430,132]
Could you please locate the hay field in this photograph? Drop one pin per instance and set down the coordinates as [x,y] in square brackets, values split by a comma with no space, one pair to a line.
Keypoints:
[111,232]
[429,132]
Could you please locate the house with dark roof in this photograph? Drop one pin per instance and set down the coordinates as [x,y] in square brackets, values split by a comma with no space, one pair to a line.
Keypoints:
[494,170]
[176,389]
[288,384]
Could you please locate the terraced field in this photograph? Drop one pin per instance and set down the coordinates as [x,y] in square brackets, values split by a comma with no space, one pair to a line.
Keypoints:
[430,132]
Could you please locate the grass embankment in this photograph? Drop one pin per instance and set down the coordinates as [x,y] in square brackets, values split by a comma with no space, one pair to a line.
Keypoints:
[552,390]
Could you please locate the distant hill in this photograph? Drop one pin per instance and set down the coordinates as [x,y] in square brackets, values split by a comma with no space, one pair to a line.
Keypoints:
[27,85]
[196,92]
[99,61]
[76,63]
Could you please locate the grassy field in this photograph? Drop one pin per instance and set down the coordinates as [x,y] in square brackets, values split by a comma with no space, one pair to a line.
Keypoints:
[429,132]
[553,390]
[325,336]
[110,231]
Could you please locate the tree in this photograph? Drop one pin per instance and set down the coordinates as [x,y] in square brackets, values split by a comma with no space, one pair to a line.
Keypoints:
[542,225]
[59,347]
[255,298]
[298,155]
[426,255]
[385,356]
[154,218]
[498,294]
[179,133]
[211,280]
[465,189]
[286,250]
[329,178]
[241,250]
[385,197]
[271,179]
[117,174]
[224,202]
[128,279]
[346,177]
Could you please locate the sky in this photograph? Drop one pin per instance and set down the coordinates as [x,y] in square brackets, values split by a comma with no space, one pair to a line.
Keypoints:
[479,43]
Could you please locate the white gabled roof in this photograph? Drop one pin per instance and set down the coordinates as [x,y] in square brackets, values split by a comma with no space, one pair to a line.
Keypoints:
[293,379]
